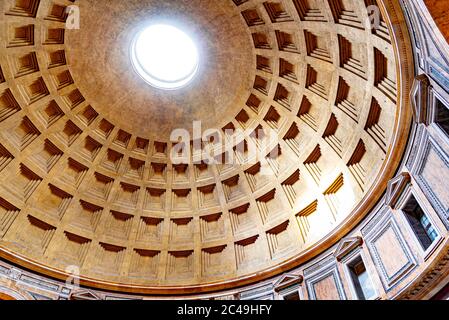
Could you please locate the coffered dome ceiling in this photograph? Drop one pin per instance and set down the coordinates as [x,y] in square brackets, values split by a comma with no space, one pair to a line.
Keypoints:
[86,177]
[105,74]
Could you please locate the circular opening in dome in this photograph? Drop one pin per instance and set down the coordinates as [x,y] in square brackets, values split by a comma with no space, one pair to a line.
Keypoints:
[164,56]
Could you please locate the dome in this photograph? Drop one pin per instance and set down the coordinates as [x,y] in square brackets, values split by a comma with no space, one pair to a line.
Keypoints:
[271,133]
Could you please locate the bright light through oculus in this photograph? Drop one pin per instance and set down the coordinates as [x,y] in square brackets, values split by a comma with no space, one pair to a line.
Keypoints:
[165,56]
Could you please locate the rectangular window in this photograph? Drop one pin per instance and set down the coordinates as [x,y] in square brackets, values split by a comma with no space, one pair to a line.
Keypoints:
[420,223]
[361,279]
[442,116]
[294,296]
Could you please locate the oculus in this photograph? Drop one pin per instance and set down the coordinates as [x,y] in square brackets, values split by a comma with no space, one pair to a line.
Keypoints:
[164,56]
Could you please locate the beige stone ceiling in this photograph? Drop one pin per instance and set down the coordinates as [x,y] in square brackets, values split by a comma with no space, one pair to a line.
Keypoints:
[98,56]
[86,177]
